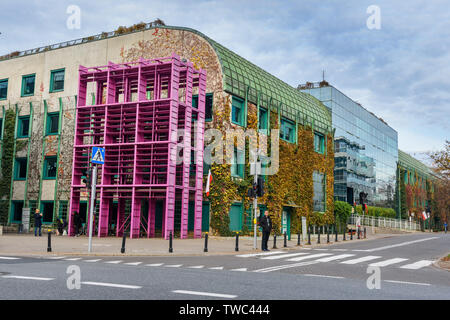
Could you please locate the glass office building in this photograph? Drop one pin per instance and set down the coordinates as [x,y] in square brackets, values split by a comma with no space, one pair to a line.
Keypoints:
[365,149]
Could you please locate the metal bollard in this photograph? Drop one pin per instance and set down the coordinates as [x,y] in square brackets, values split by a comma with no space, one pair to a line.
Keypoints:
[298,240]
[122,250]
[364,232]
[309,234]
[170,242]
[275,241]
[358,234]
[237,242]
[285,240]
[206,242]
[328,233]
[49,247]
[351,234]
[318,234]
[343,233]
[336,233]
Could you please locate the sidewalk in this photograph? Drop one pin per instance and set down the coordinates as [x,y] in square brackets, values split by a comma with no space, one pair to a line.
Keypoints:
[29,245]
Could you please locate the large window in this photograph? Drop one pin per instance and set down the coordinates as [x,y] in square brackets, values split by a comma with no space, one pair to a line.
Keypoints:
[52,123]
[287,131]
[57,80]
[47,211]
[319,191]
[28,85]
[20,169]
[23,128]
[3,89]
[208,105]
[319,143]
[50,168]
[238,111]
[237,163]
[263,120]
[16,211]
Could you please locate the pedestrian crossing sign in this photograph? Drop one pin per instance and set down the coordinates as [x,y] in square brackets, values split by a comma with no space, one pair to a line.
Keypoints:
[98,155]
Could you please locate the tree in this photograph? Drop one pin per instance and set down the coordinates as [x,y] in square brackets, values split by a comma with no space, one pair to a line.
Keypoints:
[441,166]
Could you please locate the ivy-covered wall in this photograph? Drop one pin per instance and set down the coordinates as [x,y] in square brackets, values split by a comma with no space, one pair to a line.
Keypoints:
[9,123]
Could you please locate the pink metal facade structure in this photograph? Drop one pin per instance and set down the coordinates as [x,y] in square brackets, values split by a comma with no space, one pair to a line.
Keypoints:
[136,113]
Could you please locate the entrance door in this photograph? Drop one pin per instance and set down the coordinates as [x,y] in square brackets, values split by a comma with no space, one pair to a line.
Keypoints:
[286,223]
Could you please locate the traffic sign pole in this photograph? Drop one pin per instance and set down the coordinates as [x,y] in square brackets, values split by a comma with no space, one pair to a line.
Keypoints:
[91,209]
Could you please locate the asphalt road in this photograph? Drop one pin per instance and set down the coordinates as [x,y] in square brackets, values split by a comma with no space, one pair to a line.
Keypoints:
[403,264]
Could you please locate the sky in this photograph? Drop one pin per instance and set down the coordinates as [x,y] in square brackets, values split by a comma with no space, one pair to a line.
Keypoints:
[395,61]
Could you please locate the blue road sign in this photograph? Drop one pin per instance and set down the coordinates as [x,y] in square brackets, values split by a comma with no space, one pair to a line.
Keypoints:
[98,155]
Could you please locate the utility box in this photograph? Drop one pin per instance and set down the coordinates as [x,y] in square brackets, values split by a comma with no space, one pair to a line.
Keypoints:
[26,220]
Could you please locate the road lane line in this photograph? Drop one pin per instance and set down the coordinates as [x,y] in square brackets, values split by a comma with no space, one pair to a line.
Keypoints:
[196,267]
[363,259]
[56,258]
[309,257]
[340,256]
[208,294]
[258,254]
[114,262]
[286,266]
[28,278]
[154,264]
[72,259]
[239,269]
[114,285]
[285,256]
[9,258]
[406,282]
[133,263]
[322,276]
[417,265]
[398,244]
[216,268]
[387,262]
[173,265]
[93,260]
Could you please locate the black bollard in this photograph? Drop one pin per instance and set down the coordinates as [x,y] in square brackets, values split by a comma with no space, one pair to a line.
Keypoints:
[49,247]
[328,233]
[298,240]
[122,250]
[275,241]
[237,242]
[206,242]
[351,234]
[364,232]
[358,234]
[170,242]
[343,233]
[318,234]
[285,240]
[309,234]
[336,233]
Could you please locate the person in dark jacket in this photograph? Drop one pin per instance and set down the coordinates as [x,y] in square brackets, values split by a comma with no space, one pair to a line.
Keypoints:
[77,223]
[266,225]
[37,222]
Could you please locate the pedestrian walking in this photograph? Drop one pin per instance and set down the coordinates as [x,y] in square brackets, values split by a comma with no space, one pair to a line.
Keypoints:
[445,226]
[266,225]
[37,222]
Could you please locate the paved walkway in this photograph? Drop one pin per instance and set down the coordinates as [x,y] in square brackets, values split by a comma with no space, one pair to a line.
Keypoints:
[28,244]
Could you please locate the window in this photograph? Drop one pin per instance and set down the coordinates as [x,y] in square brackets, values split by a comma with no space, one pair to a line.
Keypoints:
[57,80]
[262,120]
[237,163]
[52,123]
[208,105]
[23,128]
[28,85]
[16,210]
[319,191]
[50,167]
[287,131]
[20,169]
[47,211]
[237,111]
[319,143]
[3,89]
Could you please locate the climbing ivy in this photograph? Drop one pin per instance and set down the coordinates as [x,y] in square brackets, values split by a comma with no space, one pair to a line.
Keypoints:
[7,163]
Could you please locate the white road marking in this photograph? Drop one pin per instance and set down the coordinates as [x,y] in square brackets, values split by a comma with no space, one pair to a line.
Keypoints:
[239,269]
[216,268]
[321,249]
[209,294]
[9,258]
[309,257]
[387,262]
[339,249]
[114,285]
[93,260]
[322,276]
[28,278]
[173,265]
[398,244]
[56,258]
[259,254]
[358,260]
[286,266]
[154,264]
[114,262]
[196,267]
[133,263]
[417,265]
[282,256]
[340,256]
[72,259]
[406,282]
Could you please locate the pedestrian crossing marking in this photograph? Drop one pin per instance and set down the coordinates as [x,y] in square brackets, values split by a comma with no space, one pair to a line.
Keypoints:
[72,259]
[173,265]
[239,269]
[196,267]
[154,264]
[284,256]
[94,260]
[338,257]
[133,263]
[258,254]
[9,258]
[387,262]
[114,262]
[216,268]
[309,256]
[417,265]
[363,259]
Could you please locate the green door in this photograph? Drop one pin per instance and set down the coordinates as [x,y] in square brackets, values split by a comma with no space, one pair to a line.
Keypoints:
[236,211]
[286,222]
